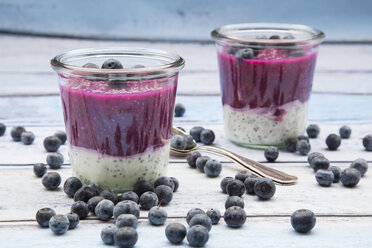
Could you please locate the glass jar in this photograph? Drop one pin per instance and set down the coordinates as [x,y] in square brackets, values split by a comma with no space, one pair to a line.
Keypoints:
[118,121]
[266,73]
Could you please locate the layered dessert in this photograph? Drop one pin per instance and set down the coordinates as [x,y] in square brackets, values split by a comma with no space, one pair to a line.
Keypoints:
[265,93]
[118,133]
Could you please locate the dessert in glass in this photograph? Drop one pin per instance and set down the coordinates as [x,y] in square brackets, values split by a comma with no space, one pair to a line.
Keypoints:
[118,108]
[266,73]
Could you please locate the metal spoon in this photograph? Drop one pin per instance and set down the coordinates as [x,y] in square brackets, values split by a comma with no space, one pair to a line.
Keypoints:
[256,168]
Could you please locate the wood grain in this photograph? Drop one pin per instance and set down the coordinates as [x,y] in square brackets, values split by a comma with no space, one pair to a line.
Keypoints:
[257,232]
[206,193]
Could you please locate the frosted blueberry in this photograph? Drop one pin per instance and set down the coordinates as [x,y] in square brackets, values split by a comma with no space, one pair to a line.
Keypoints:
[80,208]
[361,165]
[212,168]
[197,236]
[303,220]
[271,153]
[104,210]
[234,201]
[235,217]
[59,224]
[52,143]
[350,177]
[333,141]
[264,188]
[313,131]
[324,177]
[157,216]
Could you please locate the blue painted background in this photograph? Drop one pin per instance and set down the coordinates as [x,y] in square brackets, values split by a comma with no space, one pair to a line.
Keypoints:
[180,20]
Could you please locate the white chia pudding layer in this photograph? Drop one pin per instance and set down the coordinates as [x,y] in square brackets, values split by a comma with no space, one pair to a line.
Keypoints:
[260,126]
[118,173]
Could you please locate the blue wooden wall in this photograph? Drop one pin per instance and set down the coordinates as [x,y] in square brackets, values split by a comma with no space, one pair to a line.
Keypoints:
[180,20]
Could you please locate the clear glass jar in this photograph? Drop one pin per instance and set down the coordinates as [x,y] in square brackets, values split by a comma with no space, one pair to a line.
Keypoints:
[266,73]
[118,121]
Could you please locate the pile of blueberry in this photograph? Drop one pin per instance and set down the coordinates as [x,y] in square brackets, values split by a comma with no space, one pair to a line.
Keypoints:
[199,134]
[211,167]
[325,174]
[58,223]
[245,182]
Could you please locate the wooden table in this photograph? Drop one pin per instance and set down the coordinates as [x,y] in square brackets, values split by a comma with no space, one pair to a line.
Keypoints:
[342,94]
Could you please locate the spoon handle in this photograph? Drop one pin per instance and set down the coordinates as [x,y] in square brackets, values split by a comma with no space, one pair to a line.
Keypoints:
[253,166]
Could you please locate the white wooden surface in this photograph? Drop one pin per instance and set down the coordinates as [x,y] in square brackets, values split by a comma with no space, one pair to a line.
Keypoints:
[342,95]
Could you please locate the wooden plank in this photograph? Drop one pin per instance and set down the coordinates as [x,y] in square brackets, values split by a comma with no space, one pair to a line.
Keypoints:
[190,83]
[257,232]
[185,20]
[34,54]
[197,190]
[350,149]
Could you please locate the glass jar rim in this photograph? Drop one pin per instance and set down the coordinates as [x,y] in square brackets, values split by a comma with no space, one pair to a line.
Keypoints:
[173,62]
[228,34]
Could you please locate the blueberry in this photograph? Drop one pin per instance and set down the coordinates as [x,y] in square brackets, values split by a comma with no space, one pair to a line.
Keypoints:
[234,201]
[244,53]
[40,169]
[59,224]
[157,216]
[96,188]
[73,220]
[207,137]
[290,144]
[112,64]
[51,180]
[264,188]
[2,129]
[242,175]
[93,202]
[192,212]
[324,177]
[303,220]
[235,187]
[235,217]
[213,168]
[110,195]
[201,219]
[303,147]
[361,165]
[195,133]
[179,110]
[318,163]
[164,181]
[271,153]
[84,194]
[148,200]
[126,207]
[176,183]
[201,161]
[232,49]
[126,220]
[313,155]
[43,216]
[71,185]
[350,177]
[214,214]
[55,160]
[130,195]
[175,233]
[164,193]
[336,173]
[126,237]
[224,183]
[303,137]
[192,157]
[182,129]
[80,208]
[143,186]
[52,143]
[189,142]
[333,141]
[108,234]
[313,131]
[27,138]
[178,142]
[274,37]
[288,37]
[16,133]
[104,209]
[197,236]
[367,142]
[61,135]
[249,185]
[345,132]
[90,65]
